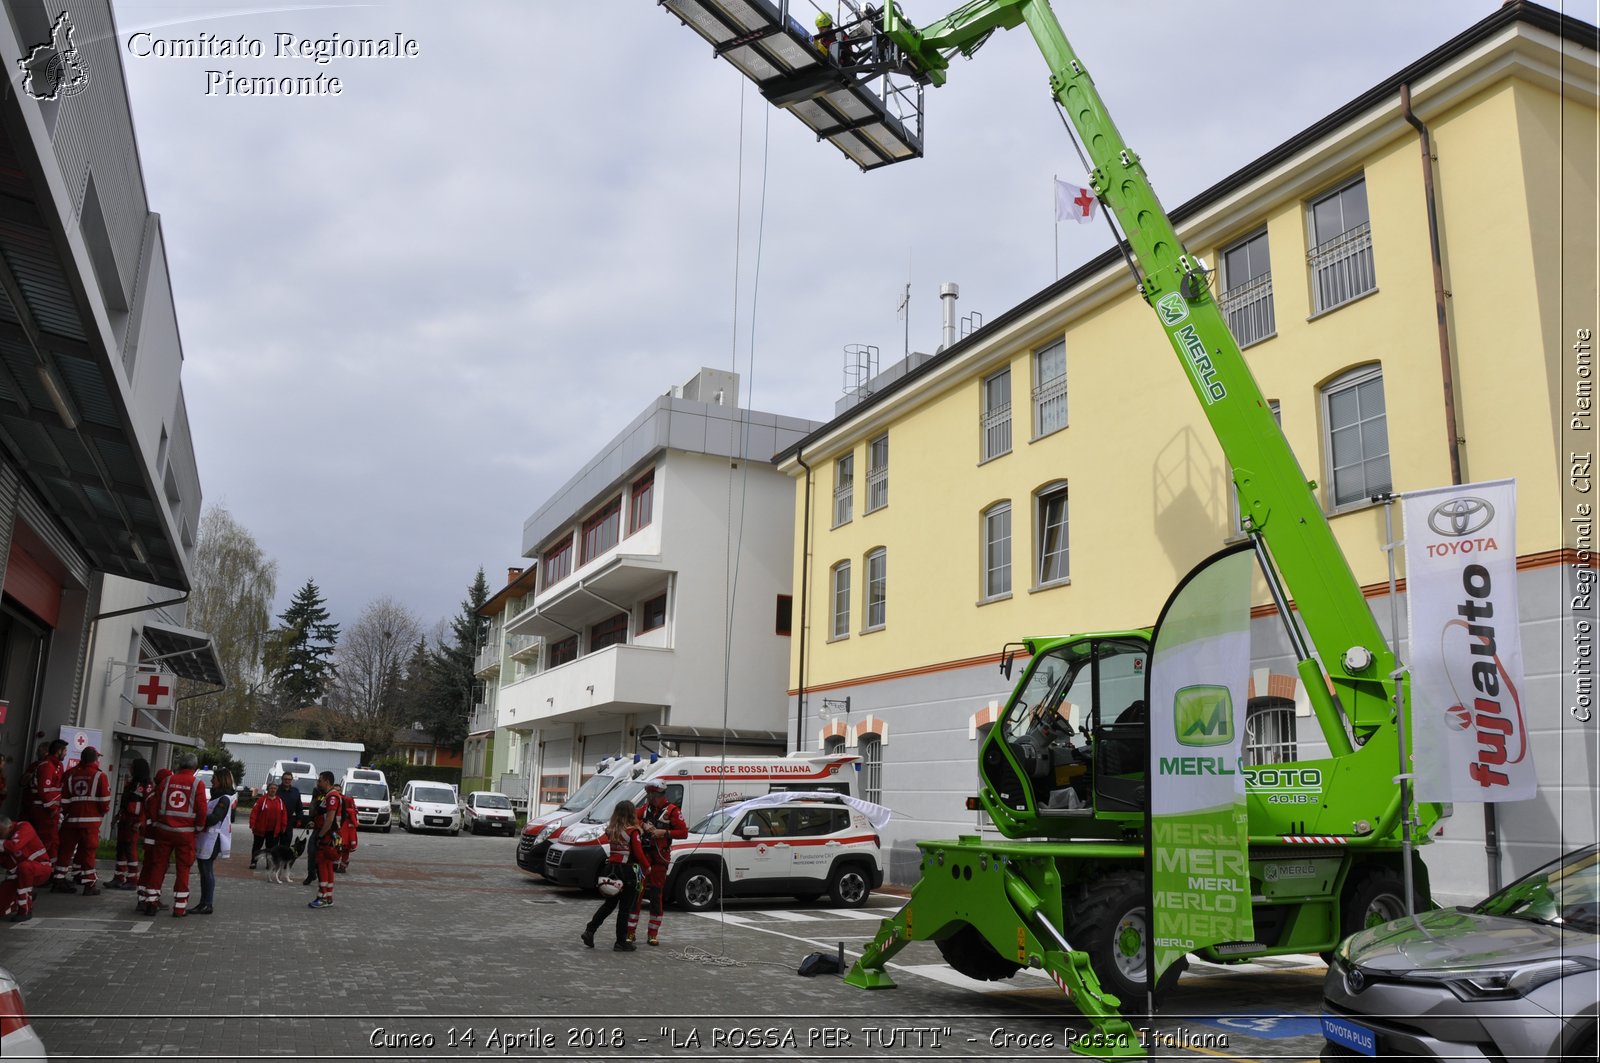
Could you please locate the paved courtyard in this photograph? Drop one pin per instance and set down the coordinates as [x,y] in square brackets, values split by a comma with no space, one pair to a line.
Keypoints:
[439,948]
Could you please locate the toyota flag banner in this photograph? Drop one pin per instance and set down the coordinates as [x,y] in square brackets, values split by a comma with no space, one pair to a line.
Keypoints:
[1470,735]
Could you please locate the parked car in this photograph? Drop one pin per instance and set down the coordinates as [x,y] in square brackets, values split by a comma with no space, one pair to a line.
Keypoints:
[486,810]
[372,803]
[17,1038]
[363,775]
[1513,977]
[804,848]
[429,806]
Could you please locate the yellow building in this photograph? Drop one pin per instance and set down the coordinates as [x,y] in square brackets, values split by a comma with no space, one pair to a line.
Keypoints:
[1052,472]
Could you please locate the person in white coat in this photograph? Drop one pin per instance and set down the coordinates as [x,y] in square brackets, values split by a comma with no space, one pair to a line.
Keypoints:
[216,838]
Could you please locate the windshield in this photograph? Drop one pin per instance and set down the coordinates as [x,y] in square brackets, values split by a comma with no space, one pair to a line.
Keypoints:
[369,776]
[587,793]
[628,791]
[715,823]
[491,801]
[436,795]
[1566,891]
[368,791]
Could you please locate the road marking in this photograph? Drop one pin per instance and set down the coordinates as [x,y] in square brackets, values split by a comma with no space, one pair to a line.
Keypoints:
[87,926]
[795,917]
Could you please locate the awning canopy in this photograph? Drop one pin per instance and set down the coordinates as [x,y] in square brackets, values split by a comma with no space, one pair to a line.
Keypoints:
[185,653]
[708,740]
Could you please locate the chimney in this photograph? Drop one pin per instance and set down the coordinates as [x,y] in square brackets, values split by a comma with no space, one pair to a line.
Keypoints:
[511,575]
[949,292]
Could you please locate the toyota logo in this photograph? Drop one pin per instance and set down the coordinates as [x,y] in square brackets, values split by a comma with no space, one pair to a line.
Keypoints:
[1355,980]
[1460,516]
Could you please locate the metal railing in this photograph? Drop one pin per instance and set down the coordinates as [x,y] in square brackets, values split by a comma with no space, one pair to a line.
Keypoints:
[1341,268]
[1269,736]
[1050,406]
[877,488]
[487,660]
[996,423]
[843,503]
[1249,310]
[481,719]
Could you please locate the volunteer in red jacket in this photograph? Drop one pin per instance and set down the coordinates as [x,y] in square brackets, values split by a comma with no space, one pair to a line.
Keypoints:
[327,836]
[660,821]
[45,811]
[176,815]
[130,823]
[85,800]
[269,821]
[26,865]
[349,832]
[27,797]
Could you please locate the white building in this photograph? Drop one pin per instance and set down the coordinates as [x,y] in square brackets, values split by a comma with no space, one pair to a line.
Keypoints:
[99,492]
[659,616]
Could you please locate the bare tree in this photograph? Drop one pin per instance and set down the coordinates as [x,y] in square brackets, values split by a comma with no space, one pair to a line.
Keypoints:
[370,667]
[231,600]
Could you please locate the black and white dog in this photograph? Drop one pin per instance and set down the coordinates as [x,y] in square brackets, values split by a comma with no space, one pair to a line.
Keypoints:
[281,858]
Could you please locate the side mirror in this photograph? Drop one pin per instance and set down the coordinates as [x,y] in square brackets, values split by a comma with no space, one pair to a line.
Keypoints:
[750,830]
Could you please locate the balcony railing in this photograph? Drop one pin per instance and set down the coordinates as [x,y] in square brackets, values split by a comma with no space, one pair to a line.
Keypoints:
[520,646]
[1249,310]
[1341,268]
[844,497]
[877,488]
[487,662]
[1050,406]
[482,719]
[996,424]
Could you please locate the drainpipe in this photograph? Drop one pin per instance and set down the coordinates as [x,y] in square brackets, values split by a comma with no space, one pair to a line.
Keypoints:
[805,617]
[1491,826]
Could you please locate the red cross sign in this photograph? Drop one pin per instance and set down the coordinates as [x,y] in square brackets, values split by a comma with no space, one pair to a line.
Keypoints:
[155,692]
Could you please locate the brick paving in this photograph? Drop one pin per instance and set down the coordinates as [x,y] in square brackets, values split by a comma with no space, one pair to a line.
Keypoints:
[431,937]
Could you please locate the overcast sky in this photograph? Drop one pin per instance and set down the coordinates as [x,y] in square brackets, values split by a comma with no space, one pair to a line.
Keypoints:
[411,311]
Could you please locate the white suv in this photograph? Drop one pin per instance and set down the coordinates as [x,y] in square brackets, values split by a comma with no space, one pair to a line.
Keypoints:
[802,848]
[429,806]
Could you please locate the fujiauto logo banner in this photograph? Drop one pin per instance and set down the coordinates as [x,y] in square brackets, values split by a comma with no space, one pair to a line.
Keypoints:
[1199,825]
[1468,720]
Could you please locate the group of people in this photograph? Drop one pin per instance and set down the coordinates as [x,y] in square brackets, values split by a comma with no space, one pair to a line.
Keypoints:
[640,851]
[168,819]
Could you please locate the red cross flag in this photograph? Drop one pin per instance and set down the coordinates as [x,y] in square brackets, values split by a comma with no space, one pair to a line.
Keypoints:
[153,691]
[1074,202]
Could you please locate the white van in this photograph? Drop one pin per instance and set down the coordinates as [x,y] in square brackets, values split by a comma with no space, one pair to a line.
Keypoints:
[535,840]
[372,803]
[428,805]
[362,775]
[698,786]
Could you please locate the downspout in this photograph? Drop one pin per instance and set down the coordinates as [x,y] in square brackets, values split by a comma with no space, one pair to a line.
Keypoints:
[1491,826]
[805,616]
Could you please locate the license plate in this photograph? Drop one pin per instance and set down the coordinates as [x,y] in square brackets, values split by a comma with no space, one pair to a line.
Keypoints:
[1351,1035]
[437,821]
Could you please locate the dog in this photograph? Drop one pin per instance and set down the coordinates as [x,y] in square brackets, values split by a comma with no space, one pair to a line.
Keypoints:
[281,858]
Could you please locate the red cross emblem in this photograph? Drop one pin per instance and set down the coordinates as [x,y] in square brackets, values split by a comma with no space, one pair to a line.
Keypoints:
[1083,201]
[154,690]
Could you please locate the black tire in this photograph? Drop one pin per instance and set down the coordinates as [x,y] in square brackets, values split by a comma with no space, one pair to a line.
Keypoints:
[698,887]
[970,953]
[455,831]
[385,828]
[1111,925]
[1370,898]
[849,885]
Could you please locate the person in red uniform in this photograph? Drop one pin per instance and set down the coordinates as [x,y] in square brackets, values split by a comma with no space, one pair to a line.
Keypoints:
[660,821]
[176,815]
[269,821]
[45,811]
[85,800]
[627,860]
[327,836]
[349,832]
[26,865]
[130,823]
[28,797]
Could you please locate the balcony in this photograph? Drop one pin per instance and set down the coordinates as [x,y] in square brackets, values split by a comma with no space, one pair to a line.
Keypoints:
[481,719]
[486,665]
[1249,310]
[621,678]
[607,587]
[522,647]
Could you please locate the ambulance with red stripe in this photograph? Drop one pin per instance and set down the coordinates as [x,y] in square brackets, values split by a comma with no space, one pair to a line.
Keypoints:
[698,786]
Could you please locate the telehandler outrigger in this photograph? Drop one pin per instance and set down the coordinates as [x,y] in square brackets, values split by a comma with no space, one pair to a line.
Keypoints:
[1066,892]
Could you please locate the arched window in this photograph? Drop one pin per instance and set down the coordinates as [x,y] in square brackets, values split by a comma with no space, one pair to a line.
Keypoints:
[870,746]
[1269,731]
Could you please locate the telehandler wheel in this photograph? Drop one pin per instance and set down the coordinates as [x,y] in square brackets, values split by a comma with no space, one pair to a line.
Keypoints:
[971,954]
[1376,897]
[1111,926]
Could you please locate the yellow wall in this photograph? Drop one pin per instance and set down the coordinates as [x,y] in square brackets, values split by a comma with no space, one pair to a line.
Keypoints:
[1148,486]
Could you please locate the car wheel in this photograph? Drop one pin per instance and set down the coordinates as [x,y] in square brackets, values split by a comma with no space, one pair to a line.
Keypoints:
[386,828]
[970,953]
[1375,897]
[698,887]
[454,831]
[849,886]
[1111,925]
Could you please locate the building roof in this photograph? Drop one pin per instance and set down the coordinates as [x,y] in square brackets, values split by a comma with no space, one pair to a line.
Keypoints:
[525,581]
[261,738]
[1513,11]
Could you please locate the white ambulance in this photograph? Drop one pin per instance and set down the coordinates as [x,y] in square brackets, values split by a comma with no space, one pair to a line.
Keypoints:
[698,786]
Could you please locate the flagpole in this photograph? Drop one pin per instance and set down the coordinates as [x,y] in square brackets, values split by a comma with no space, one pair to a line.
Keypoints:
[1398,675]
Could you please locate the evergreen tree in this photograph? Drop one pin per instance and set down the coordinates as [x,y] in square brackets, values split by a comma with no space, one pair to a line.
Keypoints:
[301,651]
[454,690]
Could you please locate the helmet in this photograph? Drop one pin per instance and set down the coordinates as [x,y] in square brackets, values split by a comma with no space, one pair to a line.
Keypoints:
[824,20]
[608,886]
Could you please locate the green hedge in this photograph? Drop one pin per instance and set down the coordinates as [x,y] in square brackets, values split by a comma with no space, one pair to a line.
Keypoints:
[398,772]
